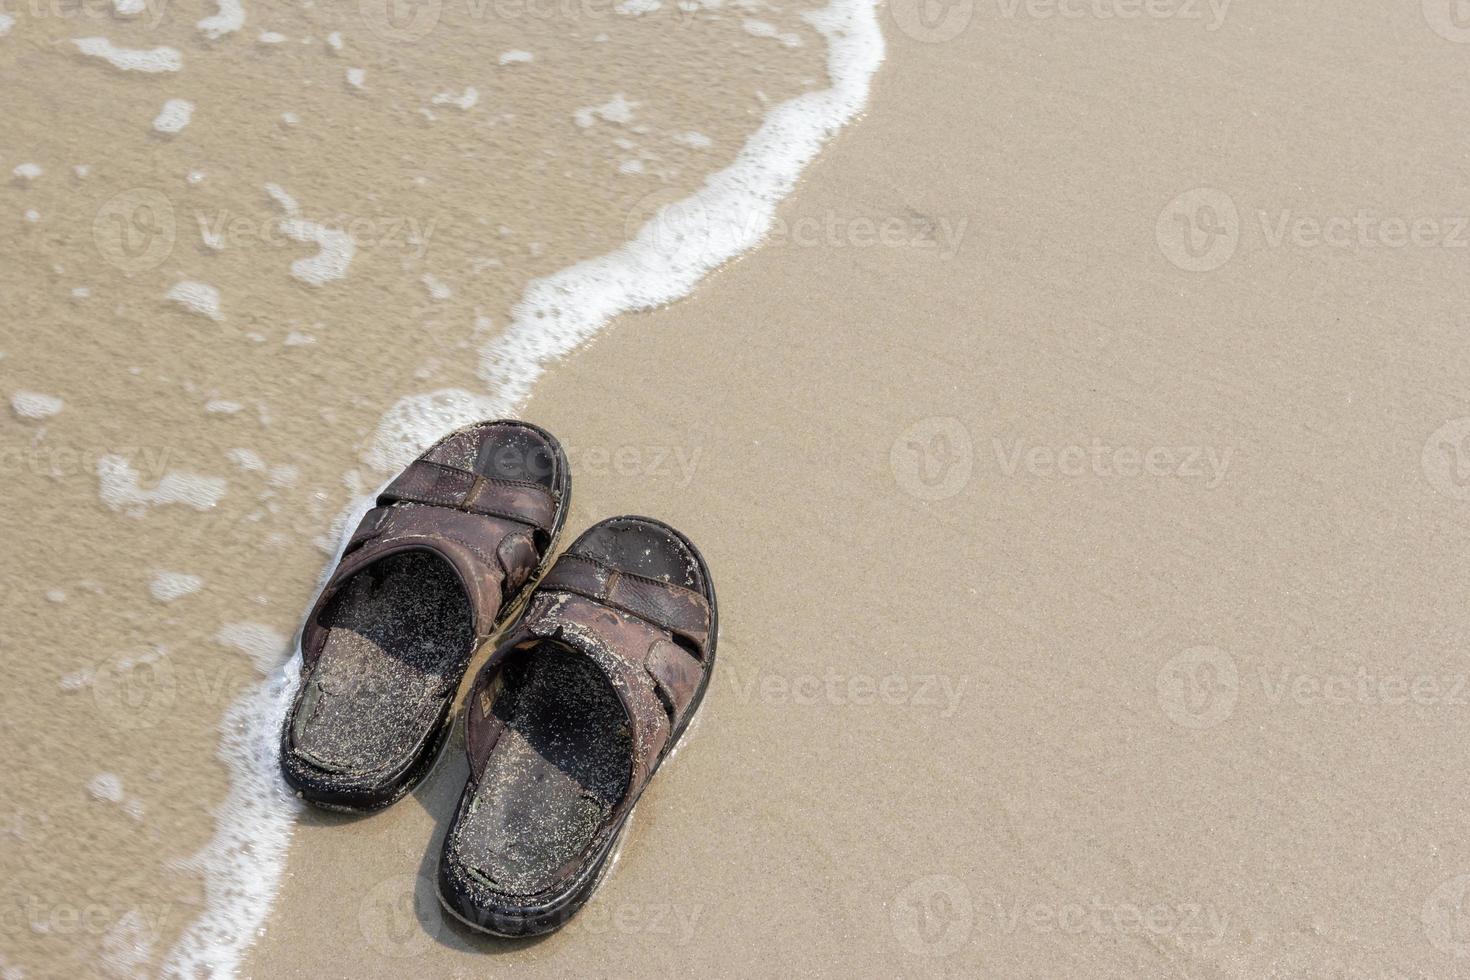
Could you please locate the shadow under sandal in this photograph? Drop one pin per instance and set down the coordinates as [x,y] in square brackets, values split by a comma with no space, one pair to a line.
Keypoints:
[570,719]
[435,568]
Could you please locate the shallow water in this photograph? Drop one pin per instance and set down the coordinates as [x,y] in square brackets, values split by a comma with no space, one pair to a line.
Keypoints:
[235,241]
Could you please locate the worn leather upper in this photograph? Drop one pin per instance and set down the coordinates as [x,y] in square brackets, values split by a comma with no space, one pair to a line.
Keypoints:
[492,531]
[628,625]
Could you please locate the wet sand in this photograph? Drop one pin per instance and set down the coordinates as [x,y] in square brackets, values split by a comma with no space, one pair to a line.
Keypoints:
[1091,572]
[221,372]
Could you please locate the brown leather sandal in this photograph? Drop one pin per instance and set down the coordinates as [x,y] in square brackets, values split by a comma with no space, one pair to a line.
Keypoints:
[569,720]
[430,573]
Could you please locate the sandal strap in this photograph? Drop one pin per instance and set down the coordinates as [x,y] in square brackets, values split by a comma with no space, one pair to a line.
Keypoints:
[492,556]
[439,485]
[683,612]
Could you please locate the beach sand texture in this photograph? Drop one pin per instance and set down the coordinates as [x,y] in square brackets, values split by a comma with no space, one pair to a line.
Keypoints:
[1080,461]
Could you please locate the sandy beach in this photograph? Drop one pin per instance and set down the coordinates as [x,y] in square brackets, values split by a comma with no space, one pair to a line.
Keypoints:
[1081,457]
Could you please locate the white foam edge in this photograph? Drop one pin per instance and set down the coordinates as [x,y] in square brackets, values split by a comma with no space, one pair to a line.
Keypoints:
[243,863]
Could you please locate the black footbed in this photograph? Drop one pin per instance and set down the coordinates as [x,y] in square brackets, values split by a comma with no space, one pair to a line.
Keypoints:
[556,772]
[399,635]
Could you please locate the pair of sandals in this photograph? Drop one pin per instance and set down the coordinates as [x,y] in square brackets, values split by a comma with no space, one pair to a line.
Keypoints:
[567,721]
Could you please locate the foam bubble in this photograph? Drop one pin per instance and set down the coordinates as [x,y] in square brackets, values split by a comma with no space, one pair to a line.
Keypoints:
[247,459]
[517,57]
[169,586]
[77,680]
[197,297]
[6,23]
[697,141]
[120,491]
[28,171]
[174,116]
[230,18]
[106,787]
[221,406]
[34,405]
[615,110]
[437,289]
[128,8]
[334,40]
[356,77]
[271,37]
[151,61]
[337,247]
[466,101]
[637,8]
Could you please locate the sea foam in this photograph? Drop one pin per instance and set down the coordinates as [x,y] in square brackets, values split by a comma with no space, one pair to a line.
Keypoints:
[337,248]
[118,486]
[168,586]
[229,18]
[35,406]
[174,116]
[196,297]
[681,243]
[150,61]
